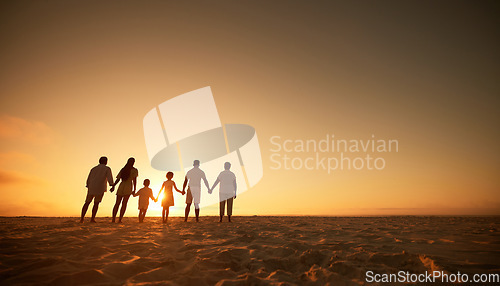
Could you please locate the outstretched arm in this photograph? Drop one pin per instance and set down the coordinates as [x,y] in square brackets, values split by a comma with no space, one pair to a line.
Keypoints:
[114,184]
[118,178]
[109,177]
[175,187]
[214,185]
[185,183]
[206,182]
[159,192]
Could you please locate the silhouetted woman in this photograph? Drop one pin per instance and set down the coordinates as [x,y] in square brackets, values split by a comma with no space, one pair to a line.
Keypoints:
[128,175]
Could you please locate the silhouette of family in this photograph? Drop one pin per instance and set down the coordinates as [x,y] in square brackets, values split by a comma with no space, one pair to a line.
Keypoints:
[101,176]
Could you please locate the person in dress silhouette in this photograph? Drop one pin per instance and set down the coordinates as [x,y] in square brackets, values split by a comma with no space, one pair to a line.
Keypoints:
[128,175]
[168,198]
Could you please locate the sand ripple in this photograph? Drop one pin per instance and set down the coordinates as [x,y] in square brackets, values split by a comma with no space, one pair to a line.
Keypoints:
[249,251]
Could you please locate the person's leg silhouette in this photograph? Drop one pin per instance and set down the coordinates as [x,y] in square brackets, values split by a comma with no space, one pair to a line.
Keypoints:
[115,208]
[229,208]
[186,211]
[84,211]
[94,211]
[222,206]
[123,208]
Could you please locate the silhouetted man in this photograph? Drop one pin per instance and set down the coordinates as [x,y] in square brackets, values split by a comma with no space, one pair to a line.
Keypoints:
[96,185]
[227,190]
[194,177]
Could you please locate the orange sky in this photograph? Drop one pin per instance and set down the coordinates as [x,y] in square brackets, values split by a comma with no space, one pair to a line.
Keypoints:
[77,78]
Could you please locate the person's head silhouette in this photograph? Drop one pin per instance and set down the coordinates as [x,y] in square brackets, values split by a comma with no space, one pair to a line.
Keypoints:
[103,160]
[125,171]
[146,183]
[227,166]
[196,163]
[170,175]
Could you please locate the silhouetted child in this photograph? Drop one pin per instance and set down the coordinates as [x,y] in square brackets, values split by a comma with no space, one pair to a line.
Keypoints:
[144,195]
[168,198]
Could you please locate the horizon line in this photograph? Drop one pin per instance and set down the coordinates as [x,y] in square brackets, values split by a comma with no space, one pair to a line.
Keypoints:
[325,216]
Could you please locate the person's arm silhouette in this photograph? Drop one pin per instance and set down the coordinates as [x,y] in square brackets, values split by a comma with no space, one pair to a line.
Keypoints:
[109,176]
[175,187]
[113,186]
[206,182]
[235,187]
[118,178]
[162,187]
[88,179]
[184,185]
[134,181]
[151,196]
[214,185]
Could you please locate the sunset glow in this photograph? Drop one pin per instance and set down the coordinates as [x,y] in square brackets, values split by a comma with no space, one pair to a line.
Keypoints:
[77,79]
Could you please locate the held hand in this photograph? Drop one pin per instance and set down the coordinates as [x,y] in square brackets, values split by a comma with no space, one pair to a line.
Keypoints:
[183,193]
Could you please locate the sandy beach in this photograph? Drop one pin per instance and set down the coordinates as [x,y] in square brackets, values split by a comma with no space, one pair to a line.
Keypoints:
[249,251]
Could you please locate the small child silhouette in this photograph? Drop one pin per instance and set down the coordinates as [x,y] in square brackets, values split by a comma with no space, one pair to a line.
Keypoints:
[168,198]
[144,195]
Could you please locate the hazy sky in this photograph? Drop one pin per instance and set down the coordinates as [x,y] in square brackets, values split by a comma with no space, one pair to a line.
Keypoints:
[77,78]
